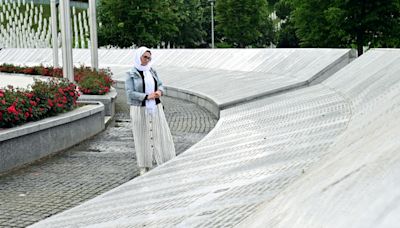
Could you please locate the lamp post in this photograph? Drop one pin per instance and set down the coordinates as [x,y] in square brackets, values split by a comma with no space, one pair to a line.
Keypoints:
[212,22]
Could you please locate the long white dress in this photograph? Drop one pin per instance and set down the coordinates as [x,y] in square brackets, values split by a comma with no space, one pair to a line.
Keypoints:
[152,136]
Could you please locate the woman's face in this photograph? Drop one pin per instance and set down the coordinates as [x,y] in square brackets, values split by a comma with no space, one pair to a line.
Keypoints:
[146,58]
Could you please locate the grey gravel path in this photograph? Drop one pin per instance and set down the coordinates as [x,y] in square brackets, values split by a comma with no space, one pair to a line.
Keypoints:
[90,168]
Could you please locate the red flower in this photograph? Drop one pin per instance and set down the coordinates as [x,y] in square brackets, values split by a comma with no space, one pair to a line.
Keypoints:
[50,102]
[33,103]
[29,71]
[27,114]
[12,109]
[3,102]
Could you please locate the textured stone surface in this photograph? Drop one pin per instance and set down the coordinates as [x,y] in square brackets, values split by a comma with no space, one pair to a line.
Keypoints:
[254,152]
[358,184]
[91,168]
[320,156]
[227,76]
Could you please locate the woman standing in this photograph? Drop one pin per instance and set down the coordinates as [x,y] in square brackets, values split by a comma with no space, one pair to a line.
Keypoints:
[151,134]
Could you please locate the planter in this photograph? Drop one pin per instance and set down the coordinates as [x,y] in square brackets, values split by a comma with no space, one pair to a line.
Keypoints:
[29,142]
[107,99]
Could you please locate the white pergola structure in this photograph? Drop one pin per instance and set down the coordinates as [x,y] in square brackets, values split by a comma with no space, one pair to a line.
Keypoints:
[93,34]
[66,36]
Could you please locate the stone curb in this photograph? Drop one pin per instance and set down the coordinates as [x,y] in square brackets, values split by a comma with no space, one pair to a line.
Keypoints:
[27,143]
[107,99]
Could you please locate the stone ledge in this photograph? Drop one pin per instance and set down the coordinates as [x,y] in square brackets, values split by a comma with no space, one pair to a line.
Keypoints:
[195,97]
[27,143]
[107,99]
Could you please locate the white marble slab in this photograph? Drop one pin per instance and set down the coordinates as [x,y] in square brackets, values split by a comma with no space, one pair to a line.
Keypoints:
[322,156]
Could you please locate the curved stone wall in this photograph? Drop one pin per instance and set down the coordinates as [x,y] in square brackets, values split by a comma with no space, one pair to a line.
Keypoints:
[357,184]
[223,77]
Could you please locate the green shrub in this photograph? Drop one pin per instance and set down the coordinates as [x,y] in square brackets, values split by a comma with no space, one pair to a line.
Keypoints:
[90,81]
[93,82]
[45,98]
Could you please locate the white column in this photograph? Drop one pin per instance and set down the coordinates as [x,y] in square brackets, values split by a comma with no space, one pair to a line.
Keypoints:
[54,38]
[68,68]
[93,35]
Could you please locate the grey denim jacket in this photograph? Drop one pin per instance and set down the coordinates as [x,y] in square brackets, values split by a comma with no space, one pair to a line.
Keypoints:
[134,86]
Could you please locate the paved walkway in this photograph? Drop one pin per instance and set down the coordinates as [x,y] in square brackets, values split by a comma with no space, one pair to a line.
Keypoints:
[91,168]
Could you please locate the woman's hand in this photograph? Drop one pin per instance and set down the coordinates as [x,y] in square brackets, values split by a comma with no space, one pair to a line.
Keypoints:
[154,95]
[158,93]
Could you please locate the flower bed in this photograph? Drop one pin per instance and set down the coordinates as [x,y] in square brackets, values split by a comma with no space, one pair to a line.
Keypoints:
[24,144]
[93,82]
[89,81]
[45,98]
[18,106]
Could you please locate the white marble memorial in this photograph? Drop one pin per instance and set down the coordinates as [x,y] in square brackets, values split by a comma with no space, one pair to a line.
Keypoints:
[320,156]
[28,29]
[287,151]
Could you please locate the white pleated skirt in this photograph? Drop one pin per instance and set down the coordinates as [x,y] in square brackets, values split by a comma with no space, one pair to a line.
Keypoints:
[152,136]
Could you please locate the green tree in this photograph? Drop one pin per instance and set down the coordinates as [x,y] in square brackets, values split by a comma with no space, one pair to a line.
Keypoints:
[206,24]
[189,20]
[375,23]
[347,23]
[318,24]
[286,34]
[244,23]
[128,22]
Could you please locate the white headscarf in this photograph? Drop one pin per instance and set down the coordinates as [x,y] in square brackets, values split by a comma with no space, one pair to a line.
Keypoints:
[138,64]
[148,78]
